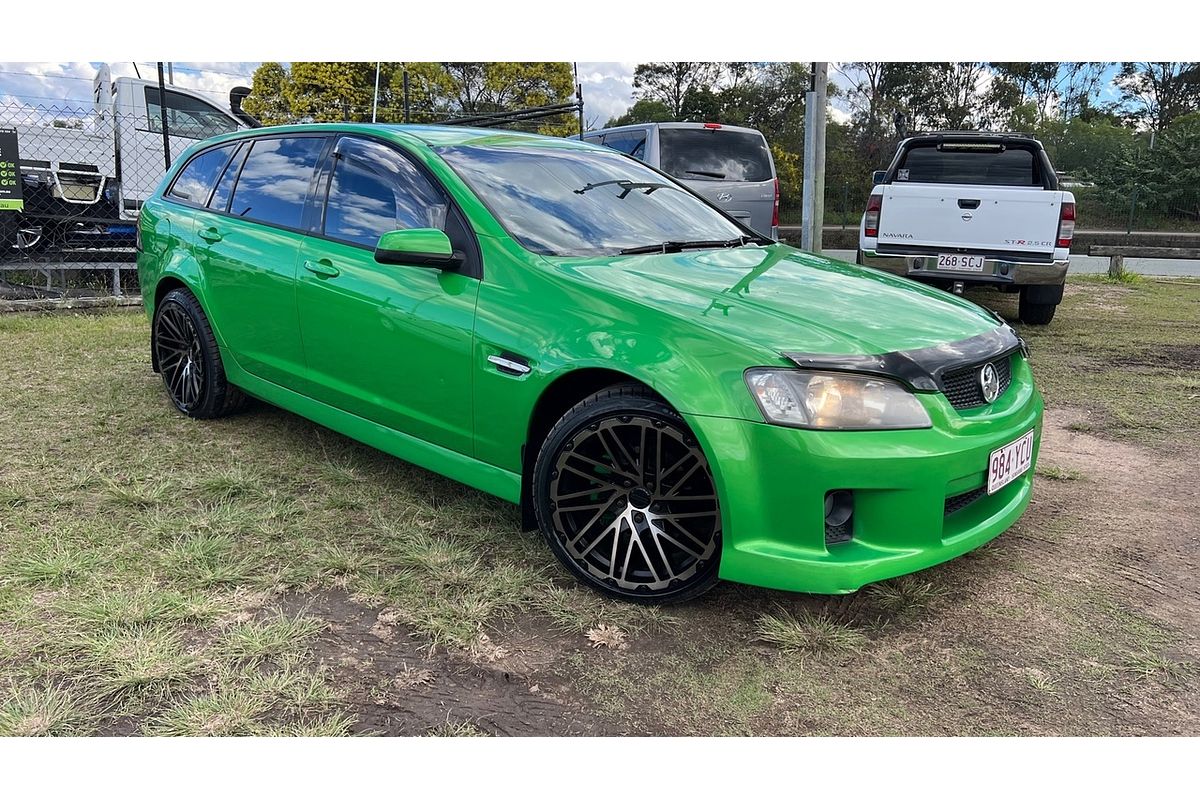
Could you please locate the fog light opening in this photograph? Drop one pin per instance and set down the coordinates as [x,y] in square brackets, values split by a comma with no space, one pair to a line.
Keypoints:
[839,516]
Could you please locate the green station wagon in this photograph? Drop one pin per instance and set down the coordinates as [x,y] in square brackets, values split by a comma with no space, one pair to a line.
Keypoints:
[671,398]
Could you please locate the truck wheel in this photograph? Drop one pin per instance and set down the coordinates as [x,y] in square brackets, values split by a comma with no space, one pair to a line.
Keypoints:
[858,257]
[1032,313]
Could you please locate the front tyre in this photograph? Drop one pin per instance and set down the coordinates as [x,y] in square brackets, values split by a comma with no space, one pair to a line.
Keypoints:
[187,355]
[625,498]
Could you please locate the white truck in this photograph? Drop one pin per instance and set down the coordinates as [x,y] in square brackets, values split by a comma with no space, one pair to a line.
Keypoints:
[97,175]
[966,208]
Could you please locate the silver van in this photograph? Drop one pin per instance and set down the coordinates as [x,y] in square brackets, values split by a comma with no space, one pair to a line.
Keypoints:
[729,166]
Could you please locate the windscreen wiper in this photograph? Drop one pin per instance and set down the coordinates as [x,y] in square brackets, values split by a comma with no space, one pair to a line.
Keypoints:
[700,244]
[626,186]
[705,173]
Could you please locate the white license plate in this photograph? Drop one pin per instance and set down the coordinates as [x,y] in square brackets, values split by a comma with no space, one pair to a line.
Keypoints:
[960,263]
[1009,463]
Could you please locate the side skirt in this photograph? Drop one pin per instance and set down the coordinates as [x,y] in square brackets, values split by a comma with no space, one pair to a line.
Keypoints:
[456,466]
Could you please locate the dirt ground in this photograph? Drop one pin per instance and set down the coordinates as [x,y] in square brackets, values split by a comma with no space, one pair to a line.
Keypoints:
[262,576]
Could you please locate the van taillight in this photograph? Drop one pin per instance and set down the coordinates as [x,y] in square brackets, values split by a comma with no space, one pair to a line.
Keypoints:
[871,223]
[1066,225]
[775,211]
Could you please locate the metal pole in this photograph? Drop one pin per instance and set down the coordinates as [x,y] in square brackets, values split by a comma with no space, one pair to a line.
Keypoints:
[162,111]
[375,103]
[809,167]
[820,85]
[406,106]
[171,72]
[578,95]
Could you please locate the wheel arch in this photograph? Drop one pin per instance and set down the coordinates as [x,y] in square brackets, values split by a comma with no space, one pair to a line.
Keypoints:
[555,400]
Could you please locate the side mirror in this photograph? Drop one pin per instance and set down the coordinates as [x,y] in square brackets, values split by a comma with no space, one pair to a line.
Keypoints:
[418,247]
[877,176]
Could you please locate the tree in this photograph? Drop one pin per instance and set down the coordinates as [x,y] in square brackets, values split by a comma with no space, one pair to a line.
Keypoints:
[334,91]
[266,100]
[670,81]
[643,111]
[1155,93]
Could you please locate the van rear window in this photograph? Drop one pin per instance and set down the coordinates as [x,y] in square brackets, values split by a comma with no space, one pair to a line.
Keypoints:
[707,154]
[970,163]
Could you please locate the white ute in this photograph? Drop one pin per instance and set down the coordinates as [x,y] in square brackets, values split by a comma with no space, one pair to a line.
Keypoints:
[963,208]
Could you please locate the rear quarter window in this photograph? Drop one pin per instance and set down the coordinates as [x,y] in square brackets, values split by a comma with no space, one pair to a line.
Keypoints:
[707,154]
[980,165]
[196,179]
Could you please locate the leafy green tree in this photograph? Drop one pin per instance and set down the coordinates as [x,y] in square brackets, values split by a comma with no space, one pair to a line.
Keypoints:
[1155,93]
[333,91]
[669,82]
[266,100]
[643,111]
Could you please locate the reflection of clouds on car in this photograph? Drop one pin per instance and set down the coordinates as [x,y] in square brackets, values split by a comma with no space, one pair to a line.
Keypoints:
[536,193]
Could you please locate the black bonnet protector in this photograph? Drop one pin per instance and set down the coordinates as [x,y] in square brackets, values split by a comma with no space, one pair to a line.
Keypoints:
[921,369]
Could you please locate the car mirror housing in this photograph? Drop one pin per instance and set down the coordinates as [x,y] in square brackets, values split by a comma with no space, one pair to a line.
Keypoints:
[418,247]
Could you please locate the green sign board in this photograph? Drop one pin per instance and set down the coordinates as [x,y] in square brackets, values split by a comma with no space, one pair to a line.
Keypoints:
[10,172]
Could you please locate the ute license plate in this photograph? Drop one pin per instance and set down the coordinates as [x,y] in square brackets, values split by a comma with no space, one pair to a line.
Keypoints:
[1009,463]
[956,262]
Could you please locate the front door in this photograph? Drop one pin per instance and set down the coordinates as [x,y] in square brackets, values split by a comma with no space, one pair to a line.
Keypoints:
[390,343]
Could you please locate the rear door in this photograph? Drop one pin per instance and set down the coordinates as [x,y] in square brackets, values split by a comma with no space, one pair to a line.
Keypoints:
[970,196]
[248,244]
[388,342]
[730,168]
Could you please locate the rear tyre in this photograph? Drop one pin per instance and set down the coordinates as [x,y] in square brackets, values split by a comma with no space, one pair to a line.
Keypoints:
[1032,313]
[625,498]
[190,361]
[858,257]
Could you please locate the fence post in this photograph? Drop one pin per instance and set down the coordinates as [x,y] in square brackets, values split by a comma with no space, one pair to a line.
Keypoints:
[162,113]
[1132,209]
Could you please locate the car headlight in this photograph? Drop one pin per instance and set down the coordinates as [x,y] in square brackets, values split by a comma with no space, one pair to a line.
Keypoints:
[834,401]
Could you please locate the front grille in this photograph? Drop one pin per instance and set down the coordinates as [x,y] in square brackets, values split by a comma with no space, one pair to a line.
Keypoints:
[962,388]
[960,501]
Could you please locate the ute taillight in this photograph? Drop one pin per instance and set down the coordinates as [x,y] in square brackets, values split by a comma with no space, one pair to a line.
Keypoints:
[1066,224]
[775,210]
[871,223]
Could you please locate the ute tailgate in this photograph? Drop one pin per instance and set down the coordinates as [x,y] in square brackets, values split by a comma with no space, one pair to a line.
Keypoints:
[969,218]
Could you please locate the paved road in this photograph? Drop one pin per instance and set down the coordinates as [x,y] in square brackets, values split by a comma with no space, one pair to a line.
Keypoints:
[1174,267]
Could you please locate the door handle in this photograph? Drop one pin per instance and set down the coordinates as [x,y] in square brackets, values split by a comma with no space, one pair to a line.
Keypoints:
[968,204]
[324,268]
[210,234]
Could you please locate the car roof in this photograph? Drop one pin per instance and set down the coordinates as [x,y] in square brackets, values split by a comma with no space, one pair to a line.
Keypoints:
[973,136]
[641,126]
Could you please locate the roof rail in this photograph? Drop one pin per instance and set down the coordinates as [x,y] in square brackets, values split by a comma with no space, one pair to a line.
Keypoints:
[1021,134]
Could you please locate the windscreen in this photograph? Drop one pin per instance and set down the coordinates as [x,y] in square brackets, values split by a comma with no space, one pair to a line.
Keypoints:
[714,154]
[981,164]
[564,201]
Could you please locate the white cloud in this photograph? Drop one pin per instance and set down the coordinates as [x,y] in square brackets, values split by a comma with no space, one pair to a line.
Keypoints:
[607,90]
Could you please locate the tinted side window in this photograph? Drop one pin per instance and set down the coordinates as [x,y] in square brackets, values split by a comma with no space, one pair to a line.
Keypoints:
[187,116]
[988,165]
[196,179]
[375,190]
[632,143]
[220,198]
[275,178]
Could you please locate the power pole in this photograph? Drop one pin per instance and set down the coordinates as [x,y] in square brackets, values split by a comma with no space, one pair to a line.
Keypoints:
[813,195]
[375,102]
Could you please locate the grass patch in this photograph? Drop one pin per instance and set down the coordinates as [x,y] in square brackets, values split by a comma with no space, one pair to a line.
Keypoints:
[56,565]
[1058,473]
[1149,664]
[260,639]
[43,711]
[457,729]
[143,660]
[907,595]
[807,633]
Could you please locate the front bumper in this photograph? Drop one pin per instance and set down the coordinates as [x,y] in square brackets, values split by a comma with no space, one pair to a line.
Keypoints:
[772,482]
[996,271]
